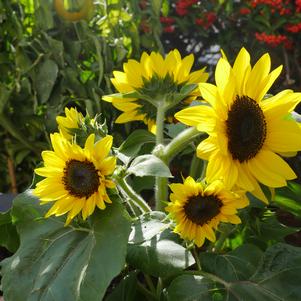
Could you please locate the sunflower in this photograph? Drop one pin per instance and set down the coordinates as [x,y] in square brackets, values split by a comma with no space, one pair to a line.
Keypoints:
[198,208]
[248,130]
[72,120]
[76,178]
[155,77]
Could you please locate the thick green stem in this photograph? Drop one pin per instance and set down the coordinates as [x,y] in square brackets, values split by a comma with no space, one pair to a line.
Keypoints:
[227,229]
[134,199]
[161,191]
[160,124]
[179,143]
[196,258]
[196,167]
[169,152]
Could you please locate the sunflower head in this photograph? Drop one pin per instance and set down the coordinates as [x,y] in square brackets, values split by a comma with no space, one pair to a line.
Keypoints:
[248,130]
[71,121]
[198,209]
[153,82]
[76,178]
[75,125]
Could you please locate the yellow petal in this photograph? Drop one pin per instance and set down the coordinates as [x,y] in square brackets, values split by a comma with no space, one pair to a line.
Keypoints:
[268,82]
[280,104]
[103,147]
[206,148]
[222,168]
[241,69]
[284,136]
[129,116]
[89,144]
[234,219]
[51,159]
[202,116]
[209,233]
[107,166]
[257,75]
[262,168]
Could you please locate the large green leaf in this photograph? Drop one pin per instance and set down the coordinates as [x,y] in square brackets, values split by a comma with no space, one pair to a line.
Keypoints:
[126,290]
[47,74]
[132,145]
[149,165]
[239,264]
[160,256]
[277,278]
[147,226]
[190,288]
[64,263]
[288,198]
[9,237]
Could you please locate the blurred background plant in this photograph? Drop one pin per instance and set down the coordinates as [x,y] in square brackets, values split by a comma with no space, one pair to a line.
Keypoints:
[55,54]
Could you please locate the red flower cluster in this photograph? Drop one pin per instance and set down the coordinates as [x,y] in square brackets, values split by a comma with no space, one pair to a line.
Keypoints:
[244,11]
[298,6]
[167,20]
[169,29]
[276,5]
[207,21]
[273,40]
[294,28]
[183,5]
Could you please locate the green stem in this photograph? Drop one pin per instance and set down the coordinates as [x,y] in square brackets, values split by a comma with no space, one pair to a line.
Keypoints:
[196,258]
[160,124]
[161,191]
[179,143]
[204,167]
[149,295]
[196,167]
[150,284]
[222,238]
[134,198]
[159,287]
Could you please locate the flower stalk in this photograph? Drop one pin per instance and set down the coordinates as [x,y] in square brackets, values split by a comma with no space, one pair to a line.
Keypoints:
[134,199]
[161,192]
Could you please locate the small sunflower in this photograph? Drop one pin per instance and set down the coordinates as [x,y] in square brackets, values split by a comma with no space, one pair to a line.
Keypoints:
[72,120]
[155,77]
[248,130]
[76,178]
[198,209]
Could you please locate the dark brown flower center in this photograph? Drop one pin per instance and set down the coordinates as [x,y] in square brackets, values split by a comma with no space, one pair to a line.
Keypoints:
[246,129]
[202,209]
[80,178]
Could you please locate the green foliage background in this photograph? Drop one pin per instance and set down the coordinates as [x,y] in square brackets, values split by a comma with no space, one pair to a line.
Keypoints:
[48,63]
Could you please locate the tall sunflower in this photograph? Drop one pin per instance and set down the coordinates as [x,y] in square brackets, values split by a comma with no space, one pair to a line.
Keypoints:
[71,120]
[198,209]
[154,77]
[76,178]
[248,130]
